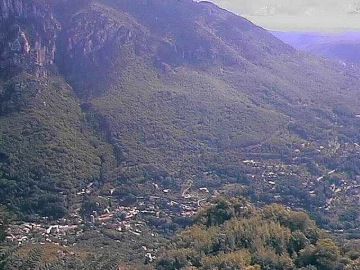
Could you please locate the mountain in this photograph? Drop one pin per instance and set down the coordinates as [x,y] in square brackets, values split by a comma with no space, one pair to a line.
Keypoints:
[343,46]
[125,96]
[122,93]
[46,146]
[119,120]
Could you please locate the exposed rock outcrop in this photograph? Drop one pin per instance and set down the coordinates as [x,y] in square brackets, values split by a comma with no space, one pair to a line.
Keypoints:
[22,9]
[91,42]
[29,42]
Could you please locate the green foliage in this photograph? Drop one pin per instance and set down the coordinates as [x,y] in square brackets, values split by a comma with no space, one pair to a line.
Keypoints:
[32,261]
[46,148]
[36,260]
[217,215]
[4,222]
[236,260]
[324,255]
[202,93]
[89,205]
[327,255]
[185,90]
[166,91]
[270,238]
[223,210]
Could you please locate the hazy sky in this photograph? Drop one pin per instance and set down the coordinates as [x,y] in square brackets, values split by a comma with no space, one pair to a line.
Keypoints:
[298,14]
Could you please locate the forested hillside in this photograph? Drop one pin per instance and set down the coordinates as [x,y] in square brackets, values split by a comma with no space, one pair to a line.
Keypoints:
[235,235]
[121,119]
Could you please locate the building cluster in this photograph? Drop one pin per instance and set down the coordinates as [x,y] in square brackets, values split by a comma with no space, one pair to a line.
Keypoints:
[269,176]
[43,232]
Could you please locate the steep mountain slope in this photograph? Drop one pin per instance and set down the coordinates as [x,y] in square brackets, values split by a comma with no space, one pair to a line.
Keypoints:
[191,74]
[127,116]
[157,90]
[46,148]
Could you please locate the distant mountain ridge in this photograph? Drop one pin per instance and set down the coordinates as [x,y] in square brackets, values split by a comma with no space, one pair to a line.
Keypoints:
[343,46]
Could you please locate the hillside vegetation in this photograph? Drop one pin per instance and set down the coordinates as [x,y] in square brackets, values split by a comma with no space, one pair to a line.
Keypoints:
[176,86]
[235,235]
[46,148]
[121,119]
[208,82]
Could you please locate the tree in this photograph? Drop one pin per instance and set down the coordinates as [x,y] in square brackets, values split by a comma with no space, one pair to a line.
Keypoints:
[4,222]
[327,255]
[307,256]
[89,205]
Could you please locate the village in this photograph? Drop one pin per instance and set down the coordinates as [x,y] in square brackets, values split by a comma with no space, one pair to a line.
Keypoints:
[273,173]
[272,180]
[119,219]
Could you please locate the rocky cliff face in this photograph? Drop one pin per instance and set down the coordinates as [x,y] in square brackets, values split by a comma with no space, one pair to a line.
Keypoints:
[22,9]
[28,42]
[90,43]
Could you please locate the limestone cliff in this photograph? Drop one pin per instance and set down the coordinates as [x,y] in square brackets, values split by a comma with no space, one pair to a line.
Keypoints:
[28,42]
[91,41]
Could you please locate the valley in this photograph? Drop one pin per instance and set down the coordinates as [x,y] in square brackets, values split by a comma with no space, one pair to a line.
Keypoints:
[290,181]
[129,128]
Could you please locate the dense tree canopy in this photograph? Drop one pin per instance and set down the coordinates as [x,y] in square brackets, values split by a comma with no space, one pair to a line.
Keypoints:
[236,235]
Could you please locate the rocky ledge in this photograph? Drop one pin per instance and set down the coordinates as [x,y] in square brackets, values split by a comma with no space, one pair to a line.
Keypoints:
[29,43]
